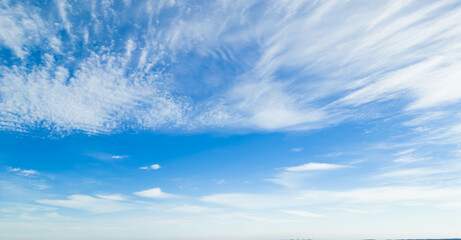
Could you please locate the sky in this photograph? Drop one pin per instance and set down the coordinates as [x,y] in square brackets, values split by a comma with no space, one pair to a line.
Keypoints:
[252,119]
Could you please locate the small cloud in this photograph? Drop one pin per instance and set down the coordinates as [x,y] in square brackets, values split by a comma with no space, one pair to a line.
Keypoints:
[151,167]
[155,166]
[119,157]
[297,149]
[302,213]
[23,172]
[314,166]
[154,193]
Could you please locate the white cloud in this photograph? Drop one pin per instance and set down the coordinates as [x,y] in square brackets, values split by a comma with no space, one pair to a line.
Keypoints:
[151,167]
[314,167]
[155,166]
[154,193]
[119,157]
[23,172]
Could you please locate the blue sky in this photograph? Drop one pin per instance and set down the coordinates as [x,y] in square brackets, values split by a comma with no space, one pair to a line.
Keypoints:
[230,119]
